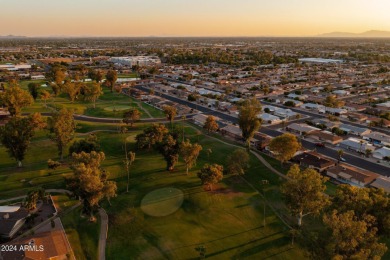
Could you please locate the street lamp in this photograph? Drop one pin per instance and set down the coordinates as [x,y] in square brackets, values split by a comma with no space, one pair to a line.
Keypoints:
[263,184]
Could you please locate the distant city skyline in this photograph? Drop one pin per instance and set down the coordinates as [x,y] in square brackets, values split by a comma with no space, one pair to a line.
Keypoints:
[191,18]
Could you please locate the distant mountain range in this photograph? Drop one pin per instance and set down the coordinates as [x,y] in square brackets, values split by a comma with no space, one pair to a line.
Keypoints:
[372,33]
[11,36]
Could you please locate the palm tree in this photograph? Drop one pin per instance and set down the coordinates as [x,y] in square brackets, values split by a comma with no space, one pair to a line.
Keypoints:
[340,153]
[368,152]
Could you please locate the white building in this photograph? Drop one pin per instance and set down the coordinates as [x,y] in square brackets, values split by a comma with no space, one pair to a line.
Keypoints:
[136,60]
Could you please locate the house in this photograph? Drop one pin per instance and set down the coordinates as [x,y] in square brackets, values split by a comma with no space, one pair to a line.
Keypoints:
[355,117]
[334,111]
[382,182]
[357,145]
[12,219]
[325,136]
[312,106]
[354,130]
[381,153]
[47,245]
[261,141]
[340,92]
[285,113]
[300,129]
[377,138]
[329,124]
[313,160]
[269,119]
[232,131]
[351,175]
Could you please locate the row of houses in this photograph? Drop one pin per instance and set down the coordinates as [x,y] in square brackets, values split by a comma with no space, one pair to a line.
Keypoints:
[341,172]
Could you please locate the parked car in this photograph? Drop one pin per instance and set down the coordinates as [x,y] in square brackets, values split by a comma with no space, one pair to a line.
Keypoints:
[320,144]
[342,159]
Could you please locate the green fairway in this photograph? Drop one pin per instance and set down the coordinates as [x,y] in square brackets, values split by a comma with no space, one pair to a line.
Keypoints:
[162,202]
[117,108]
[82,234]
[164,215]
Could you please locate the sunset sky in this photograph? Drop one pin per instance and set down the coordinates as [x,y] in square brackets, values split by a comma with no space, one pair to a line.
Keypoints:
[191,17]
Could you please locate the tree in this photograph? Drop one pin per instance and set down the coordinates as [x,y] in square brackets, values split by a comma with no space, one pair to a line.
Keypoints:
[248,120]
[211,174]
[170,113]
[93,92]
[130,158]
[131,116]
[85,145]
[53,164]
[169,148]
[96,75]
[189,152]
[332,101]
[237,162]
[368,153]
[284,147]
[211,124]
[33,88]
[32,198]
[365,201]
[56,74]
[15,98]
[340,154]
[62,127]
[266,90]
[45,95]
[17,133]
[151,136]
[304,192]
[90,182]
[111,78]
[352,238]
[72,89]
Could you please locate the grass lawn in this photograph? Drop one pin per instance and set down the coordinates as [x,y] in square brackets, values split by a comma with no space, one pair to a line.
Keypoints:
[63,202]
[202,219]
[82,234]
[111,105]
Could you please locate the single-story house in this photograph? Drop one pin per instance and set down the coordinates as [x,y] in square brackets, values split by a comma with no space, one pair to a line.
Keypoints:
[354,130]
[261,141]
[382,182]
[312,106]
[351,175]
[322,121]
[53,243]
[301,129]
[12,219]
[269,119]
[381,153]
[232,131]
[313,160]
[325,136]
[377,138]
[357,145]
[285,113]
[334,111]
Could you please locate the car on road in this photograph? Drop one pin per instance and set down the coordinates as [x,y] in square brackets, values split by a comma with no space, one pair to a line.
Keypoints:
[320,144]
[342,159]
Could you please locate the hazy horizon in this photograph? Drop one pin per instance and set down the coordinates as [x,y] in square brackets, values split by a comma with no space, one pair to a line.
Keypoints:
[201,18]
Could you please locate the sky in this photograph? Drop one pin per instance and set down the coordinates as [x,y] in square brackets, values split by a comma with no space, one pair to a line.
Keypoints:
[191,17]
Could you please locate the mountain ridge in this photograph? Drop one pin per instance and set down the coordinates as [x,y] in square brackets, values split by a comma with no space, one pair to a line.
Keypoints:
[371,33]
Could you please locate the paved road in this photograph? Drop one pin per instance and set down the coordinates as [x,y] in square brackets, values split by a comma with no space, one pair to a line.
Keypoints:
[103,234]
[313,114]
[350,159]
